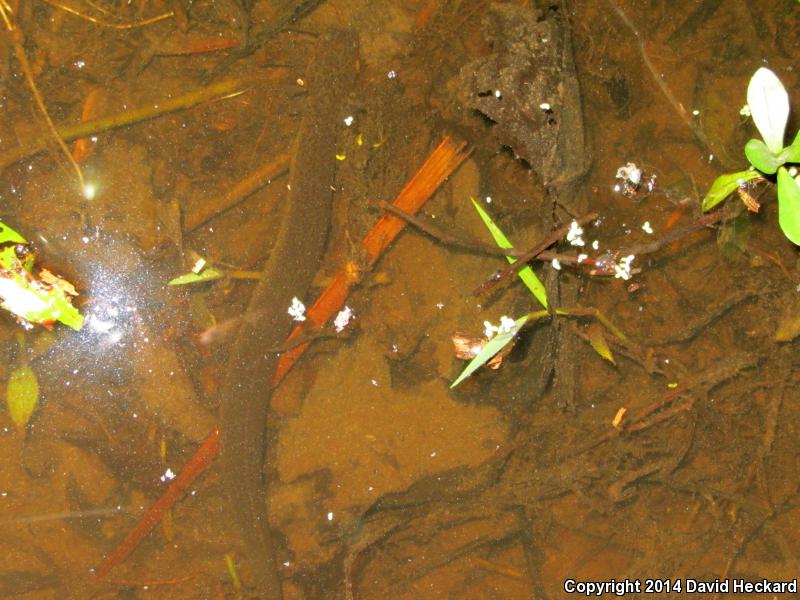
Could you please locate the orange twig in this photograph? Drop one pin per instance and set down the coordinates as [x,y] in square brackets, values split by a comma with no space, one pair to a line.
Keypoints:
[440,165]
[82,147]
[196,465]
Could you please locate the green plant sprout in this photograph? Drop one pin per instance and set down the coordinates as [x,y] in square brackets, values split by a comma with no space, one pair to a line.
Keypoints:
[202,272]
[508,330]
[768,104]
[527,275]
[33,297]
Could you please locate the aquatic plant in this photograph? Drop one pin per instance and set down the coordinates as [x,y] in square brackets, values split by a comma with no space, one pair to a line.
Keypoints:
[33,296]
[768,105]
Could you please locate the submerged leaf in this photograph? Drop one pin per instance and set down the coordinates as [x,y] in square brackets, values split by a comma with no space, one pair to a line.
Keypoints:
[207,274]
[597,340]
[769,106]
[788,326]
[22,395]
[529,278]
[492,347]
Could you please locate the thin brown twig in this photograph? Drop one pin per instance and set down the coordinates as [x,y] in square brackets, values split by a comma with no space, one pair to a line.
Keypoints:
[17,40]
[548,241]
[446,238]
[474,245]
[103,23]
[658,78]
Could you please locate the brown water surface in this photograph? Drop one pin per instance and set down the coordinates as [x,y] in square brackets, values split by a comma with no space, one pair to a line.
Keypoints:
[382,482]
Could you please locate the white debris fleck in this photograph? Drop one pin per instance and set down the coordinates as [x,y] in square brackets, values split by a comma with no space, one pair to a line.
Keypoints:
[595,245]
[168,475]
[582,257]
[330,516]
[575,233]
[391,74]
[545,106]
[89,191]
[198,265]
[630,173]
[622,269]
[374,382]
[695,112]
[556,264]
[498,94]
[647,228]
[348,120]
[297,310]
[506,325]
[745,110]
[440,305]
[342,319]
[488,199]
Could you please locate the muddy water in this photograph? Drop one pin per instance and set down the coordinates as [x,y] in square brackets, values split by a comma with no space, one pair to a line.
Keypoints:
[383,482]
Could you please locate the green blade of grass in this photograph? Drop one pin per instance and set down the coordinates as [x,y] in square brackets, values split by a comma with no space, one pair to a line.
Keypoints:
[492,347]
[207,274]
[527,275]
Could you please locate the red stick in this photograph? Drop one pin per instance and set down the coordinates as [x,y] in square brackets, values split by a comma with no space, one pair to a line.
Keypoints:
[440,165]
[196,465]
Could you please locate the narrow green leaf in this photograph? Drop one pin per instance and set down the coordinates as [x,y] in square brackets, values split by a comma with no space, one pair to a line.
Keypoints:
[22,396]
[761,158]
[597,340]
[207,274]
[493,346]
[529,278]
[789,205]
[769,106]
[725,185]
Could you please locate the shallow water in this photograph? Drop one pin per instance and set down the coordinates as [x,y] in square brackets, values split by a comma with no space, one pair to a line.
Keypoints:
[382,480]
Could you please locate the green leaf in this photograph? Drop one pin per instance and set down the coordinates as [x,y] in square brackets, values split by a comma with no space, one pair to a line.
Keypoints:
[769,106]
[9,235]
[791,154]
[207,274]
[492,347]
[22,396]
[61,310]
[36,302]
[597,340]
[725,185]
[789,205]
[761,158]
[529,278]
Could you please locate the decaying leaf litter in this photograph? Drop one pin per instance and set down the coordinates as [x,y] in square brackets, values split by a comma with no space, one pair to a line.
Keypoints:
[506,484]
